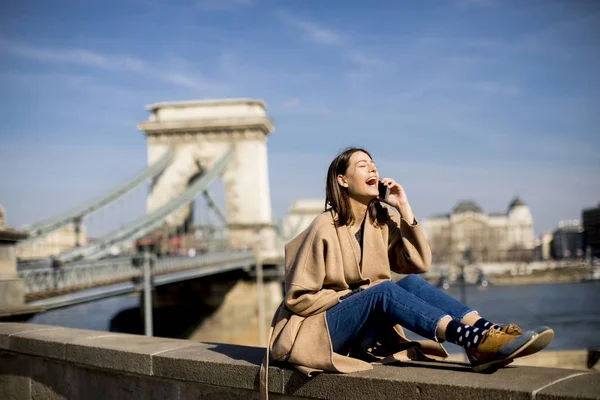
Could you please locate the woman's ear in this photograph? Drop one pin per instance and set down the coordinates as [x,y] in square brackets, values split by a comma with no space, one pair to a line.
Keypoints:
[342,181]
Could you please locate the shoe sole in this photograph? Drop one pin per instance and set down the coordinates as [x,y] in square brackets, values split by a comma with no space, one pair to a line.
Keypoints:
[498,362]
[542,340]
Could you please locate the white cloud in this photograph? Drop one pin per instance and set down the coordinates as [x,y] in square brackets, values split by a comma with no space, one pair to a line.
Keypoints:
[295,106]
[329,37]
[103,61]
[75,56]
[478,3]
[496,88]
[364,60]
[190,81]
[293,102]
[552,40]
[223,5]
[313,31]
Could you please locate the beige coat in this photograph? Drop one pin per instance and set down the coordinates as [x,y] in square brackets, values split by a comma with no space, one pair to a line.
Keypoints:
[321,264]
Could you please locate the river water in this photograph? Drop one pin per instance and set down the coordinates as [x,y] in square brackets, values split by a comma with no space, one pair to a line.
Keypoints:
[571,309]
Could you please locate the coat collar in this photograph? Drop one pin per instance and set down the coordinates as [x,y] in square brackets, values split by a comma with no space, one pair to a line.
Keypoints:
[372,256]
[374,251]
[351,261]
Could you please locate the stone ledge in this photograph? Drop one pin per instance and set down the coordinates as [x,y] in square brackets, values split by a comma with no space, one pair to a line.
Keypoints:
[230,367]
[262,123]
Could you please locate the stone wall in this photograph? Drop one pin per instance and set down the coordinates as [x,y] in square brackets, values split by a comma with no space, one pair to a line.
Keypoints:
[45,362]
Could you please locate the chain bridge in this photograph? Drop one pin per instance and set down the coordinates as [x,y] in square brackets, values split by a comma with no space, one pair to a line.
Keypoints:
[190,146]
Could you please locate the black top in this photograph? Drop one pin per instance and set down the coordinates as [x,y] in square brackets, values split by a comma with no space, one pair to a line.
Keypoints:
[359,237]
[359,233]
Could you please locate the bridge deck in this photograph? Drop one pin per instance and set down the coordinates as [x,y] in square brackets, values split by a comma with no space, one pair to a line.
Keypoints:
[94,281]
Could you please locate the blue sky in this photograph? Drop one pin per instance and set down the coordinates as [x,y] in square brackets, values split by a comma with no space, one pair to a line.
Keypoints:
[457,99]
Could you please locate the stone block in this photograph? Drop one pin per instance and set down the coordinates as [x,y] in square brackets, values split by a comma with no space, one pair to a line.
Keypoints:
[578,386]
[93,384]
[49,380]
[131,353]
[50,343]
[217,364]
[9,328]
[418,380]
[14,376]
[199,391]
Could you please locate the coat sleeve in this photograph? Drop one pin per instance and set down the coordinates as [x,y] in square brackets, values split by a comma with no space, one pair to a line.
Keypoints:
[306,270]
[408,250]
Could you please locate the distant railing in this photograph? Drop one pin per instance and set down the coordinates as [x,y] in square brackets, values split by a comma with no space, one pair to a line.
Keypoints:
[53,281]
[78,277]
[166,265]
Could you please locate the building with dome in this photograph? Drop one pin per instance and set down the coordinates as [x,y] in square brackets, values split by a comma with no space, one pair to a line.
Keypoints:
[489,237]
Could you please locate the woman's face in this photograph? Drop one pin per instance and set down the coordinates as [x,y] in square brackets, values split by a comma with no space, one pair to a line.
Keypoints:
[361,177]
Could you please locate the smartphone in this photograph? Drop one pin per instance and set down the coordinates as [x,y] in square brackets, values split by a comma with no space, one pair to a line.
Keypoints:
[384,191]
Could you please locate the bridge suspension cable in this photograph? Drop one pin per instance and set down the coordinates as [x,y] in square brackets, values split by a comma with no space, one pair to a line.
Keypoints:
[75,215]
[149,222]
[212,204]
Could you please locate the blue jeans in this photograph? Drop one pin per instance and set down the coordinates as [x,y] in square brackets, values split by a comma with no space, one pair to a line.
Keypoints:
[411,302]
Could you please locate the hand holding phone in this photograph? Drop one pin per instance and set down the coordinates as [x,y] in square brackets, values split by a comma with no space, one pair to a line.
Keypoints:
[384,191]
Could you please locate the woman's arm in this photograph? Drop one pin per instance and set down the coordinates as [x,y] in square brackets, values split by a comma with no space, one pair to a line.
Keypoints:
[408,250]
[306,302]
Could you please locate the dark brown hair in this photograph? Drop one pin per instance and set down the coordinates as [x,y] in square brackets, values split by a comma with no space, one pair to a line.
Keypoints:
[337,198]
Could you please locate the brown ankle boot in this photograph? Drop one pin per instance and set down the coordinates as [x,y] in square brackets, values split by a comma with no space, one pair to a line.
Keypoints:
[512,329]
[543,338]
[498,348]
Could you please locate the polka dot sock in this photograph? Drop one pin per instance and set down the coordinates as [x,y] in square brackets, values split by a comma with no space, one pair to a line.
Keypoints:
[466,336]
[485,324]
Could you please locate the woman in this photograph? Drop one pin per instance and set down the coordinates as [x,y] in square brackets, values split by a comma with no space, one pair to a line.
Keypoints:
[341,308]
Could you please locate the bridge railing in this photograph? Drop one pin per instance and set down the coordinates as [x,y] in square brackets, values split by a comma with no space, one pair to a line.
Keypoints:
[85,275]
[79,276]
[166,265]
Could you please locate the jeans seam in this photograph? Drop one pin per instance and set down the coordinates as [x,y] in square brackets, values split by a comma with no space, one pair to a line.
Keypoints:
[419,298]
[424,302]
[419,313]
[411,309]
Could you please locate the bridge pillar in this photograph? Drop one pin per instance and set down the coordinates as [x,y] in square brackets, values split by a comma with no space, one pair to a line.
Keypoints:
[12,292]
[200,132]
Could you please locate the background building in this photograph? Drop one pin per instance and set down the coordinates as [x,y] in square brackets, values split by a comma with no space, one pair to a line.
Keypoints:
[543,245]
[491,237]
[568,241]
[53,244]
[591,227]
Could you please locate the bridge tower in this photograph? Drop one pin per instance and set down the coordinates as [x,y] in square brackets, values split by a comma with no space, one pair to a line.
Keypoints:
[200,133]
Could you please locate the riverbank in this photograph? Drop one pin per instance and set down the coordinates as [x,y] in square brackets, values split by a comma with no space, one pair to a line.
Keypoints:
[570,274]
[558,275]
